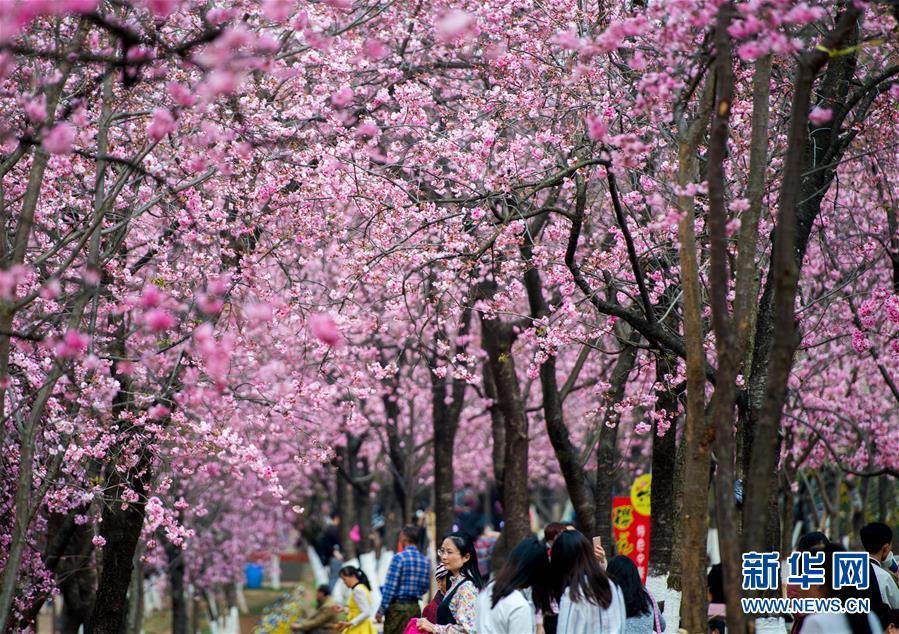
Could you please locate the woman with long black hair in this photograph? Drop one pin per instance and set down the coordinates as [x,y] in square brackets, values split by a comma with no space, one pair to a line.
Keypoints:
[835,622]
[360,607]
[502,606]
[643,616]
[457,613]
[589,603]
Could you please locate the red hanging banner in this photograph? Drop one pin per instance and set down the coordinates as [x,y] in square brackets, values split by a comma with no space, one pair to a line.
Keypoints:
[631,525]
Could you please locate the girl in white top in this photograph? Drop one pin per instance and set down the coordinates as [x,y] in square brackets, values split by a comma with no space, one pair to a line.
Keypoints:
[832,623]
[589,603]
[502,606]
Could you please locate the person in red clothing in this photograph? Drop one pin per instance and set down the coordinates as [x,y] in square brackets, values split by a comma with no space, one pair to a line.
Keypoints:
[440,576]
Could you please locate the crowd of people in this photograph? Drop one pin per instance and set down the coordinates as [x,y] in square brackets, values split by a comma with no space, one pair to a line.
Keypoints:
[882,591]
[560,583]
[563,584]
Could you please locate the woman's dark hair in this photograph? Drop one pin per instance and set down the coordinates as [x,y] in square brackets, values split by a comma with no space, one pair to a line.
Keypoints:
[527,566]
[465,544]
[552,530]
[574,566]
[816,540]
[858,623]
[716,584]
[353,571]
[892,617]
[624,572]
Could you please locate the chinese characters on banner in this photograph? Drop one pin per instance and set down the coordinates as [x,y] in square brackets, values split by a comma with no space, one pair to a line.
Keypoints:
[630,523]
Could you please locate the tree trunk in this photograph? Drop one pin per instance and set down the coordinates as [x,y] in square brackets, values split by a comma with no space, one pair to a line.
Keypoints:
[694,616]
[397,454]
[344,504]
[675,574]
[362,502]
[804,185]
[77,579]
[884,497]
[604,490]
[497,340]
[135,617]
[444,444]
[60,534]
[447,399]
[567,455]
[177,588]
[498,432]
[607,452]
[121,529]
[664,466]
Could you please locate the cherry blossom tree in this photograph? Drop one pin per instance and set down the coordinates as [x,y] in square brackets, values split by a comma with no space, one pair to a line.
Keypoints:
[253,252]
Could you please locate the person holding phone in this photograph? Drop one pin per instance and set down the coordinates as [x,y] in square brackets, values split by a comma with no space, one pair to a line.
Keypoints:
[589,602]
[598,551]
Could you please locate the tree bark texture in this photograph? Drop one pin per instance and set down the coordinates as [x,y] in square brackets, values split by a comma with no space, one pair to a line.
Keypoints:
[177,589]
[447,399]
[799,202]
[664,468]
[607,451]
[497,338]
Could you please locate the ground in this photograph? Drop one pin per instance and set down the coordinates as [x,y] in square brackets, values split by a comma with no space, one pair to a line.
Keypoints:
[160,622]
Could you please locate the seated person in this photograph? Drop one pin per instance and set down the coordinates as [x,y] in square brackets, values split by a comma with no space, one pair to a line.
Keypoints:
[324,617]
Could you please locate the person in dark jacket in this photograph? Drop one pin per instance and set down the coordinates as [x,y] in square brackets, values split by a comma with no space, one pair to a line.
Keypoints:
[440,577]
[323,619]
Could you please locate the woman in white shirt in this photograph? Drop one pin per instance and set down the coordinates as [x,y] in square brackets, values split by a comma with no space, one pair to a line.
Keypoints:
[502,606]
[589,602]
[836,623]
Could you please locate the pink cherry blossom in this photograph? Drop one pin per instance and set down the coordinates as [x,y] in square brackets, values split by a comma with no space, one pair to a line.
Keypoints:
[820,116]
[277,10]
[161,8]
[803,14]
[162,124]
[79,6]
[342,98]
[158,412]
[301,165]
[375,49]
[181,94]
[368,130]
[151,297]
[343,5]
[51,290]
[568,40]
[72,345]
[455,25]
[752,50]
[59,139]
[597,128]
[36,109]
[324,329]
[158,320]
[210,304]
[258,312]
